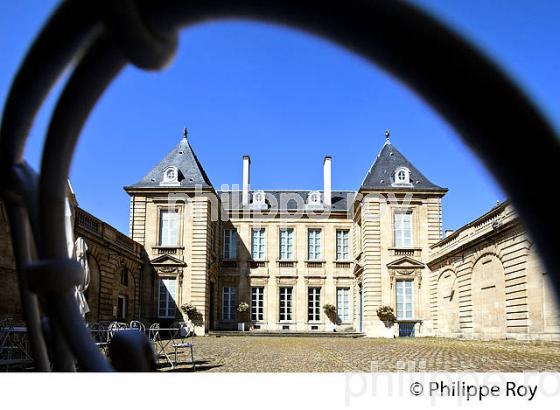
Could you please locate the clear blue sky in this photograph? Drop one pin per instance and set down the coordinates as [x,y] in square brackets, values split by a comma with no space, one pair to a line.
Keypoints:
[288,99]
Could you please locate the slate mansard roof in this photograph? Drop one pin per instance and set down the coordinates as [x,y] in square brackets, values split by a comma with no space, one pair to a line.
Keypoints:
[381,174]
[191,172]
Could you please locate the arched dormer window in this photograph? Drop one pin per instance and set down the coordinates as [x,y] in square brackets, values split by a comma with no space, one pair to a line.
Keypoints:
[314,198]
[259,200]
[314,201]
[402,176]
[170,176]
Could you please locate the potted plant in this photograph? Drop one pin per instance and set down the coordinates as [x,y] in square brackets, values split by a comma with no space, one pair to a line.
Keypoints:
[243,310]
[192,315]
[387,315]
[330,312]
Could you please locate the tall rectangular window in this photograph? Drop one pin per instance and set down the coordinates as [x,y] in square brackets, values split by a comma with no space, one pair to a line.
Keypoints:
[314,244]
[287,244]
[257,304]
[257,244]
[342,245]
[169,227]
[230,244]
[228,304]
[313,304]
[405,299]
[403,229]
[343,304]
[166,298]
[285,304]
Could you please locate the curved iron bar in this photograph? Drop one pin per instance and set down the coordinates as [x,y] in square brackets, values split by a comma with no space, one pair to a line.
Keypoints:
[470,92]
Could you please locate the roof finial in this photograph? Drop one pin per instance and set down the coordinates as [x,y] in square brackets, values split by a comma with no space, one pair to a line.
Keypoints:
[387,134]
[185,132]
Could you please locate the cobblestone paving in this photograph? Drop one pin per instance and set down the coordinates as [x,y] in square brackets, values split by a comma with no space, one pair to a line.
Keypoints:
[307,354]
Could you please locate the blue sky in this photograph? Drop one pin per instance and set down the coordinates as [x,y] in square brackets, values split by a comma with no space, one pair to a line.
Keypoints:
[287,99]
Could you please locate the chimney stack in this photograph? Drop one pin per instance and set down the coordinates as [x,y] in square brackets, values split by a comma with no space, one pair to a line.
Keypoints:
[246,180]
[327,181]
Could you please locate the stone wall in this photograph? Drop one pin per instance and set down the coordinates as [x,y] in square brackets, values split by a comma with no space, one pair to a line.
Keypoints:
[111,256]
[10,306]
[487,282]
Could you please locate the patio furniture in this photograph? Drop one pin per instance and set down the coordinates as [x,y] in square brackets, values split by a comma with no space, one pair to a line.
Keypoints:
[185,331]
[100,333]
[164,339]
[135,324]
[14,346]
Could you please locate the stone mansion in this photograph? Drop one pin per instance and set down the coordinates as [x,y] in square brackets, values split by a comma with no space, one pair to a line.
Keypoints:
[287,254]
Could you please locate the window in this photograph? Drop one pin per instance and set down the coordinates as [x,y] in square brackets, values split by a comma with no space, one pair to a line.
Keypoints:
[342,245]
[121,307]
[285,304]
[124,277]
[313,304]
[314,198]
[257,304]
[170,174]
[257,244]
[287,244]
[314,244]
[404,299]
[403,229]
[166,299]
[343,304]
[169,228]
[230,244]
[228,304]
[402,176]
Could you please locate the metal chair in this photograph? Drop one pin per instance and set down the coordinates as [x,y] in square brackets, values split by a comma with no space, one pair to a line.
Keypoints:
[186,330]
[136,324]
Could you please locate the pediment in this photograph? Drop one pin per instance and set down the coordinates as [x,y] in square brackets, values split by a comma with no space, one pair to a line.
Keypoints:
[167,260]
[405,262]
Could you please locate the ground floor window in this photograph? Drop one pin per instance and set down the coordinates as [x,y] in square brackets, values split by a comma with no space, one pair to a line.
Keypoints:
[405,299]
[343,304]
[121,307]
[228,304]
[257,304]
[313,304]
[285,304]
[167,294]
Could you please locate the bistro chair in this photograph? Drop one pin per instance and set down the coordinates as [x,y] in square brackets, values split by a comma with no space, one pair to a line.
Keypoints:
[135,324]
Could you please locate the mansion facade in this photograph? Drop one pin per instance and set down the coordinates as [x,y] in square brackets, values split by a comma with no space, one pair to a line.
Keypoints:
[286,254]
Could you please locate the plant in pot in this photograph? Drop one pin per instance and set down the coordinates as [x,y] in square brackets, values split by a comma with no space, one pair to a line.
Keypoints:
[192,315]
[387,315]
[330,312]
[243,315]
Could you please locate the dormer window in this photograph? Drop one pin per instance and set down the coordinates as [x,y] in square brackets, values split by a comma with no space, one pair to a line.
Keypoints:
[314,198]
[259,200]
[170,176]
[314,201]
[402,176]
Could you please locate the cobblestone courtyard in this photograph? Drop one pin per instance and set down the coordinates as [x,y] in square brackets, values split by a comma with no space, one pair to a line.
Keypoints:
[307,354]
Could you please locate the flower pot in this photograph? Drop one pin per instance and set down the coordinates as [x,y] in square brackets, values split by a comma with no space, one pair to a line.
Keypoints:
[388,332]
